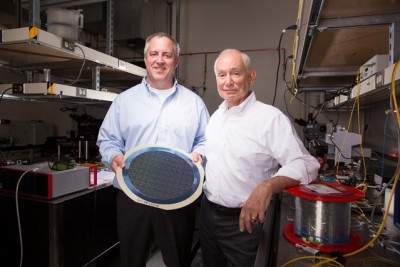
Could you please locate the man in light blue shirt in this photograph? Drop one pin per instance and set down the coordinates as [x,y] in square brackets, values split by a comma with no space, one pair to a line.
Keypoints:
[157,111]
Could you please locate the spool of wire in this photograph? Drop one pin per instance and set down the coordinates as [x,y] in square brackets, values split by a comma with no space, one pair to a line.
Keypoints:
[323,217]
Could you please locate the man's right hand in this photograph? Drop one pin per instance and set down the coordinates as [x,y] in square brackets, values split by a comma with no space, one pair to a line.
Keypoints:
[117,162]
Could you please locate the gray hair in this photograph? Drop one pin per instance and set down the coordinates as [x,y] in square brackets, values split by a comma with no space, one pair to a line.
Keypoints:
[177,49]
[245,58]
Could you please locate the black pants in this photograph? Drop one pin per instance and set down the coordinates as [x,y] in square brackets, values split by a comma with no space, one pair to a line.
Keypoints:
[139,225]
[222,243]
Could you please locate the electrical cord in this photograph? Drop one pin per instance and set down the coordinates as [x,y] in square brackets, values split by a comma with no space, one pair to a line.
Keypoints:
[287,109]
[18,216]
[356,103]
[330,260]
[394,179]
[294,86]
[384,143]
[302,122]
[383,152]
[378,258]
[66,108]
[203,87]
[284,71]
[2,94]
[4,157]
[83,64]
[316,110]
[292,27]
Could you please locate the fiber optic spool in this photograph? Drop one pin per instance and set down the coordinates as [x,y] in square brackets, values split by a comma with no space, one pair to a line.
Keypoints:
[323,217]
[161,177]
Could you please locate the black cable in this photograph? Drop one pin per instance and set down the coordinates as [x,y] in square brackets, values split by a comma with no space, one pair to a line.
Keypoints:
[66,108]
[4,157]
[292,27]
[277,69]
[346,90]
[284,71]
[203,87]
[1,97]
[334,144]
[302,102]
[317,109]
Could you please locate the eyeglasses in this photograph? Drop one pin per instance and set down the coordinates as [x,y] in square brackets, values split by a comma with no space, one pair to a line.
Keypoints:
[58,163]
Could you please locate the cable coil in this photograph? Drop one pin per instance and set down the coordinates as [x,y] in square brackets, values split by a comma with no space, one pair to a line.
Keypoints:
[323,217]
[322,222]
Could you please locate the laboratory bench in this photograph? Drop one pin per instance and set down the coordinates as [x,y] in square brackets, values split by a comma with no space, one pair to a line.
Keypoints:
[276,250]
[79,229]
[71,230]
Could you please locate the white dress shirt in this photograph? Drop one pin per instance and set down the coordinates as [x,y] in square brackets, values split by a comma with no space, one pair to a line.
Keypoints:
[247,145]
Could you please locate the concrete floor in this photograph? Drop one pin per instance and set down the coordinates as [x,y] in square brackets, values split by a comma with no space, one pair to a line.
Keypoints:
[111,259]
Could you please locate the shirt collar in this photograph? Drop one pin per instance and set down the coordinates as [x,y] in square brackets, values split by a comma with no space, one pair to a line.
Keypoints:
[248,101]
[147,86]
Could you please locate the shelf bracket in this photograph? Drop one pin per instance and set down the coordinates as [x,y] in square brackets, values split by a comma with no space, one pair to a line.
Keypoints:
[34,13]
[96,78]
[110,28]
[394,42]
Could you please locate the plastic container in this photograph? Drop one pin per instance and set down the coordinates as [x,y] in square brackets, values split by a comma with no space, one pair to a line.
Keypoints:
[66,31]
[69,17]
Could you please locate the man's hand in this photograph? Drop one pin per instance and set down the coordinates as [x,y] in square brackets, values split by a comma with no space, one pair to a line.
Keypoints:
[117,162]
[253,210]
[196,157]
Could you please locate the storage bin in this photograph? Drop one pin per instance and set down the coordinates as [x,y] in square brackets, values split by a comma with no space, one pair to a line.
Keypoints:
[66,31]
[70,17]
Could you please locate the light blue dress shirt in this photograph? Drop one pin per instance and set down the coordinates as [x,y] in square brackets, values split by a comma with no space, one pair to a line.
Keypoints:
[138,117]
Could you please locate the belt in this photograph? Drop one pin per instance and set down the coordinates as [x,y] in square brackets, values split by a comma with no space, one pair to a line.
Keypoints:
[222,210]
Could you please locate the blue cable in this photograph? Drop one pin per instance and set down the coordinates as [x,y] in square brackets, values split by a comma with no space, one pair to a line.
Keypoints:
[384,141]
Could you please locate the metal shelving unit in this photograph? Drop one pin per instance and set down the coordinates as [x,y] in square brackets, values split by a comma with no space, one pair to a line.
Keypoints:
[335,38]
[32,50]
[370,91]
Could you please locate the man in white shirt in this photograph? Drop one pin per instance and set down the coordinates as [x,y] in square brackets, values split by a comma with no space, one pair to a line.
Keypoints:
[253,153]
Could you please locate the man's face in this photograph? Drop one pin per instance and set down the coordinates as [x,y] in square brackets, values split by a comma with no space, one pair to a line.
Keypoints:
[160,63]
[233,82]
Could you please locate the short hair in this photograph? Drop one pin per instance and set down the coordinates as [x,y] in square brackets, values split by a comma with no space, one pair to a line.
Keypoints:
[246,59]
[159,35]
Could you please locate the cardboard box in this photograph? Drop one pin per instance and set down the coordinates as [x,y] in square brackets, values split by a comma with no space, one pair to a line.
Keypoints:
[374,65]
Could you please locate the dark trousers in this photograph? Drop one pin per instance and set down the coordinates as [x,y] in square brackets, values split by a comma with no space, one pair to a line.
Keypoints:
[139,225]
[222,243]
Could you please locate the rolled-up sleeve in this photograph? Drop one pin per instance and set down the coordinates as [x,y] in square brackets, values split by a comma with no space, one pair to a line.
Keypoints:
[287,148]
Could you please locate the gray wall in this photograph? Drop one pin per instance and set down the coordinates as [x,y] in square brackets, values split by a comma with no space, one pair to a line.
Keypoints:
[206,28]
[210,26]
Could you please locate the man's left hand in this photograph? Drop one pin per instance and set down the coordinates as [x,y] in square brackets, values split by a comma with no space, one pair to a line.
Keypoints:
[253,210]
